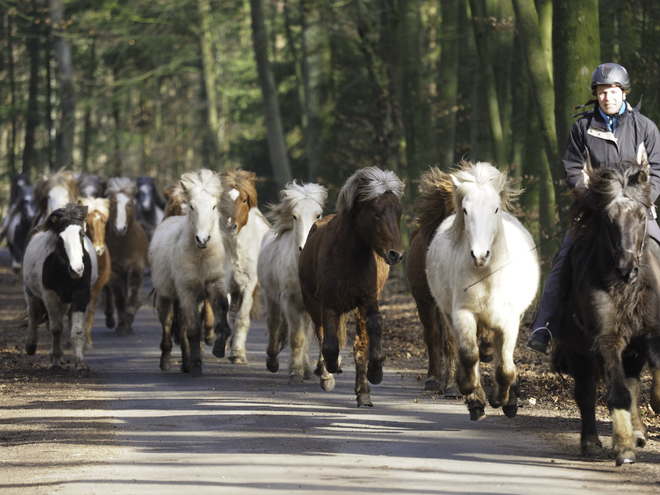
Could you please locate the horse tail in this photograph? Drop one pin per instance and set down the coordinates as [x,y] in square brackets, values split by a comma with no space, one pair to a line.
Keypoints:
[341,330]
[258,308]
[435,201]
[22,319]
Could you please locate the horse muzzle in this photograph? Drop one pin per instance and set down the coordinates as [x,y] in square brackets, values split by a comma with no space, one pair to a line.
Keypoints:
[99,250]
[481,260]
[76,273]
[202,242]
[393,257]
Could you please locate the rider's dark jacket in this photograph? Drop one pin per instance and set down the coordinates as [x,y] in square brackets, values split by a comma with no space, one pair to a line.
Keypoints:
[605,147]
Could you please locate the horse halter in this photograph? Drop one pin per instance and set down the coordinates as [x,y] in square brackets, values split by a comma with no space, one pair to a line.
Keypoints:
[616,252]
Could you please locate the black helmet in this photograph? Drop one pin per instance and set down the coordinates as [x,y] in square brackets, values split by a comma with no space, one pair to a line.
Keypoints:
[610,74]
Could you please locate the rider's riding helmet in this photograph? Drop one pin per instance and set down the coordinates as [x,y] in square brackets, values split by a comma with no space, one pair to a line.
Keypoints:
[610,74]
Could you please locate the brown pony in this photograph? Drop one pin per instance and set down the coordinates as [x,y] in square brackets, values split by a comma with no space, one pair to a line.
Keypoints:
[128,246]
[98,211]
[53,191]
[434,204]
[343,267]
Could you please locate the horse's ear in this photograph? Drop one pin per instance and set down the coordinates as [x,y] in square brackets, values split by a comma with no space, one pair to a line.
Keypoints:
[457,183]
[642,157]
[587,168]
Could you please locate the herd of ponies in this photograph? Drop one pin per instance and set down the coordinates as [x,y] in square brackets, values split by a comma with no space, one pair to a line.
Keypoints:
[216,261]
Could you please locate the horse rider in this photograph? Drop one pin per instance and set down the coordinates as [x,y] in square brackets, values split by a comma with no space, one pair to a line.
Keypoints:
[611,132]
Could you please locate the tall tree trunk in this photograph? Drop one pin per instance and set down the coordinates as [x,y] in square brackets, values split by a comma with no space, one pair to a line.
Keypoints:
[117,165]
[11,137]
[87,120]
[273,121]
[448,82]
[214,147]
[32,118]
[479,21]
[64,72]
[50,125]
[297,62]
[317,76]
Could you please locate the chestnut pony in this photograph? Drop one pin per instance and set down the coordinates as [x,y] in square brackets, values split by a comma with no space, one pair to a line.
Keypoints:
[343,267]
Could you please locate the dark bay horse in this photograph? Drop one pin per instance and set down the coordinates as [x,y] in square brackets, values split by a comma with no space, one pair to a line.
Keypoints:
[611,321]
[343,267]
[434,204]
[128,246]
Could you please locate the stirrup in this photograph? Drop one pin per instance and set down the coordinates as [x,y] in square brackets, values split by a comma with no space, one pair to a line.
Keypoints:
[538,342]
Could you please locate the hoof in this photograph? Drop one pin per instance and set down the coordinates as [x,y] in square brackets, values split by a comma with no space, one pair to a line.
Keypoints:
[308,375]
[510,410]
[375,373]
[332,367]
[238,360]
[196,370]
[165,363]
[592,448]
[89,346]
[364,400]
[477,413]
[328,384]
[219,346]
[433,385]
[109,321]
[30,349]
[296,380]
[208,340]
[83,370]
[273,365]
[452,392]
[122,330]
[485,357]
[640,438]
[627,457]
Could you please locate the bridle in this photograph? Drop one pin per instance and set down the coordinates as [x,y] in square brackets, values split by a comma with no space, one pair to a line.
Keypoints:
[616,252]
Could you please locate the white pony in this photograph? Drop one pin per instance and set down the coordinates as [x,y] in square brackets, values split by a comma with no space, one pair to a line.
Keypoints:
[190,262]
[483,272]
[249,227]
[59,271]
[300,206]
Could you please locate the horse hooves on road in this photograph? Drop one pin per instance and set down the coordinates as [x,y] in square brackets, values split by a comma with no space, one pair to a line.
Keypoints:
[30,349]
[375,373]
[196,370]
[165,363]
[477,413]
[640,438]
[296,380]
[364,400]
[452,392]
[510,410]
[219,346]
[433,386]
[627,457]
[328,384]
[238,360]
[109,321]
[272,365]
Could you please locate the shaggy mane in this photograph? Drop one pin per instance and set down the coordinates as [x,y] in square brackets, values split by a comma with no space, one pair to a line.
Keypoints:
[101,205]
[367,184]
[62,217]
[46,182]
[435,201]
[118,185]
[282,213]
[241,180]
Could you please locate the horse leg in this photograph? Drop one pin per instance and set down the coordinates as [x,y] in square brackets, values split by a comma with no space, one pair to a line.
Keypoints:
[31,334]
[655,390]
[465,331]
[327,379]
[56,327]
[89,317]
[134,281]
[119,291]
[639,428]
[308,330]
[505,372]
[435,382]
[165,316]
[207,318]
[294,323]
[448,357]
[330,342]
[221,326]
[275,337]
[79,306]
[361,356]
[241,326]
[191,333]
[108,299]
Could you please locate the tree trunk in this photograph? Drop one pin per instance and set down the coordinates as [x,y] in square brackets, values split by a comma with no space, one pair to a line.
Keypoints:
[448,82]
[87,120]
[32,118]
[64,73]
[317,76]
[11,137]
[50,125]
[273,121]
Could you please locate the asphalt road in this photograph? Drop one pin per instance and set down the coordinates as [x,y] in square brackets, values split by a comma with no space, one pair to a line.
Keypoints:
[239,429]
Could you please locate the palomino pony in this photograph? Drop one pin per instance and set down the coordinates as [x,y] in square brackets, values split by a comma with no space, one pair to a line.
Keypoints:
[343,267]
[483,271]
[53,191]
[18,225]
[611,320]
[287,319]
[190,262]
[434,204]
[98,211]
[128,246]
[59,272]
[249,227]
[149,205]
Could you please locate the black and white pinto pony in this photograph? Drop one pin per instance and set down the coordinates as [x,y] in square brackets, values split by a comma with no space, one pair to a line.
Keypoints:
[287,319]
[149,205]
[190,260]
[18,224]
[611,322]
[483,272]
[60,269]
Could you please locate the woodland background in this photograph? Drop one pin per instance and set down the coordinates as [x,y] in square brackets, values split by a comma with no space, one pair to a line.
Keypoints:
[313,89]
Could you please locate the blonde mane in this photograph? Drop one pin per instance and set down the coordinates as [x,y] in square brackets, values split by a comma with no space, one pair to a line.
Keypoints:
[290,196]
[367,184]
[101,205]
[241,180]
[119,185]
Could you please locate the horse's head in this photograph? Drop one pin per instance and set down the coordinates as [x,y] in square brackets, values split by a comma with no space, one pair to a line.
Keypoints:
[175,202]
[240,186]
[373,195]
[480,193]
[146,194]
[98,210]
[121,192]
[28,203]
[68,224]
[202,191]
[53,191]
[621,196]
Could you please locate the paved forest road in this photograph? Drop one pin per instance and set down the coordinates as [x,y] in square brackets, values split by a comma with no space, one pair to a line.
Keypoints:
[242,430]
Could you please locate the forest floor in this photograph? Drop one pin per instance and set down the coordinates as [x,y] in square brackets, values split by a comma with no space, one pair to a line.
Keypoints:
[545,396]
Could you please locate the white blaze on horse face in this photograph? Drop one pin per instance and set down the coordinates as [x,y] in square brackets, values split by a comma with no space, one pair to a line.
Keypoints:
[203,217]
[233,194]
[74,249]
[88,191]
[305,213]
[146,197]
[231,221]
[58,197]
[481,209]
[121,222]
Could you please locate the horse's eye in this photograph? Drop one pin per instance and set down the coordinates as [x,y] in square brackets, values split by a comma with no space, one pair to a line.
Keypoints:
[191,207]
[377,214]
[245,200]
[214,207]
[318,217]
[464,211]
[295,217]
[497,210]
